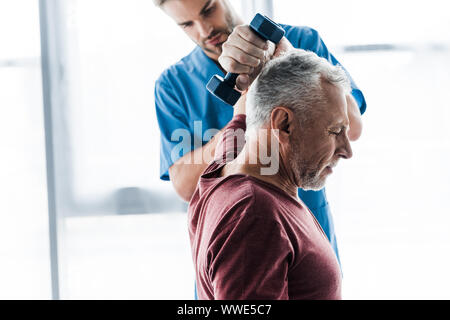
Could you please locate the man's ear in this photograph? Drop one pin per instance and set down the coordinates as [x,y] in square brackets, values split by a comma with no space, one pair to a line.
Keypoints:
[282,118]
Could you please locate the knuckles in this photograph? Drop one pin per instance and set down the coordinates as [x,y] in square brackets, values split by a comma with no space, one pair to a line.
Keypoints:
[233,65]
[240,60]
[242,28]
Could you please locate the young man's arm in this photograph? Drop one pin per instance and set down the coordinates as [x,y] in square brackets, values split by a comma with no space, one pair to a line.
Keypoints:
[185,174]
[354,116]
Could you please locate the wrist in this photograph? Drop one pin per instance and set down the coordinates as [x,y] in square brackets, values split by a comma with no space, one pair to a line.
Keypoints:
[354,116]
[239,107]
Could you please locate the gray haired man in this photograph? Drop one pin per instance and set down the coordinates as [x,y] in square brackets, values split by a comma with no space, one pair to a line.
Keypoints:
[251,235]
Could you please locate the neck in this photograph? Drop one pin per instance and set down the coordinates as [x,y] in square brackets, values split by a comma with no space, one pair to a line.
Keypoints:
[245,164]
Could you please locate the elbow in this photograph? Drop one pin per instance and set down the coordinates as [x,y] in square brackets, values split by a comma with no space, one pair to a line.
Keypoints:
[184,194]
[183,185]
[355,130]
[354,117]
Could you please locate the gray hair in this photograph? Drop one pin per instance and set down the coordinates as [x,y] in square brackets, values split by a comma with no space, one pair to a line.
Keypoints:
[293,81]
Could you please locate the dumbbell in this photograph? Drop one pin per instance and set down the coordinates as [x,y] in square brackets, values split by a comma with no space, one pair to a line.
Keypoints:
[223,88]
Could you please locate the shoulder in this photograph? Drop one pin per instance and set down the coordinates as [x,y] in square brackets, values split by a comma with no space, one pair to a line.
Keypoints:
[302,37]
[179,70]
[295,33]
[299,30]
[246,198]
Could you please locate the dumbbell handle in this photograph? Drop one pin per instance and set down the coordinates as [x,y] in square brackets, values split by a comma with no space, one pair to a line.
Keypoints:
[231,78]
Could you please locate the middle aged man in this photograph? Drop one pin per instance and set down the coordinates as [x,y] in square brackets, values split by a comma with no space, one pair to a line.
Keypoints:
[251,236]
[181,97]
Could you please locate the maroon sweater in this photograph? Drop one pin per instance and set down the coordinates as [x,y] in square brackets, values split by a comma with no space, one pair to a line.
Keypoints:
[251,240]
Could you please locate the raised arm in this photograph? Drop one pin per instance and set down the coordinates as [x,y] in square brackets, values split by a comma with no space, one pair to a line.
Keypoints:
[185,174]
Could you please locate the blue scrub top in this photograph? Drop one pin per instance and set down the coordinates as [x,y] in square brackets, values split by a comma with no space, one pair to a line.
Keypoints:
[181,98]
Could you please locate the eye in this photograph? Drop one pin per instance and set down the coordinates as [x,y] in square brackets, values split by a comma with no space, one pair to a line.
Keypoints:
[335,133]
[186,25]
[209,11]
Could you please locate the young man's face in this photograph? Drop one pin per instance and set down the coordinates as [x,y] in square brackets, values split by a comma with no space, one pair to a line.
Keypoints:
[207,22]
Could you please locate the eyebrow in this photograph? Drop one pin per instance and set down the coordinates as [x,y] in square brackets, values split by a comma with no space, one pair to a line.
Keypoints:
[340,125]
[207,4]
[202,12]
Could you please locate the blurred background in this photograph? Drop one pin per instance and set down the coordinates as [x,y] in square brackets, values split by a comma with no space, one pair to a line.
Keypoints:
[83,214]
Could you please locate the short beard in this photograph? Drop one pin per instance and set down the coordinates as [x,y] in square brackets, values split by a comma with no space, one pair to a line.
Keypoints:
[231,24]
[311,180]
[306,177]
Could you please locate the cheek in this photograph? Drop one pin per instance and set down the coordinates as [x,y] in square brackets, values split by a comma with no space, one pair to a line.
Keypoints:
[221,19]
[325,150]
[192,34]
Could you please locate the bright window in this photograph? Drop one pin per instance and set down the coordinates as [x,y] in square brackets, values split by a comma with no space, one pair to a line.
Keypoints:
[24,246]
[389,200]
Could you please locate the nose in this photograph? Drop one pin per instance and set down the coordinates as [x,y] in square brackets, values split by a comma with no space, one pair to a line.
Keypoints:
[345,150]
[204,29]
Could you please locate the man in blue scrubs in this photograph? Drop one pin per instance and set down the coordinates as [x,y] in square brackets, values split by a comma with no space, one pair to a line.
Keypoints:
[183,102]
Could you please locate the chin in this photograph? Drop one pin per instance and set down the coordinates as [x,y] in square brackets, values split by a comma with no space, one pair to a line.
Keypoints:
[215,51]
[315,184]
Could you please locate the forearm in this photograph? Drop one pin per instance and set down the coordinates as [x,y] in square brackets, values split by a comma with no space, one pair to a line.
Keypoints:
[186,172]
[354,117]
